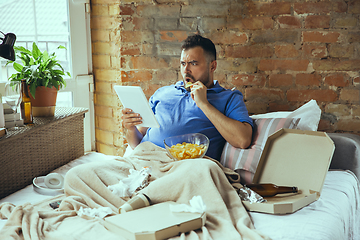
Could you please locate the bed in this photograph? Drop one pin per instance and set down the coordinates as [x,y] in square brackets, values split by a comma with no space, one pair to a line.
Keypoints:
[334,216]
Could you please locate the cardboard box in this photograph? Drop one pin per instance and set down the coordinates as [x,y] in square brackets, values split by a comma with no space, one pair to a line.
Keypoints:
[154,222]
[293,158]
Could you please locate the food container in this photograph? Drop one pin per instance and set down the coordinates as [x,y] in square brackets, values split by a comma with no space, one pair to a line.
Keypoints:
[189,151]
[293,157]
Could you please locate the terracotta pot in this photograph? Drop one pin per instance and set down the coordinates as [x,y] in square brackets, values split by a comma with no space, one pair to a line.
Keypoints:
[43,105]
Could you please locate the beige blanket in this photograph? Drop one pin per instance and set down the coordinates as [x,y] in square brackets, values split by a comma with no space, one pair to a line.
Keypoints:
[86,186]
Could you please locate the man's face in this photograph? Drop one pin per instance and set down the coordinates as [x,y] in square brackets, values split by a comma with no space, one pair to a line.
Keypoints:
[195,67]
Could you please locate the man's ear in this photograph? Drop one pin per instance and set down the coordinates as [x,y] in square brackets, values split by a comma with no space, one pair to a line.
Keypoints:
[213,66]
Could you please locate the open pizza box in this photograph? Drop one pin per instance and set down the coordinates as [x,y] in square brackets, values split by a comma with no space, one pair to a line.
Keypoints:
[154,222]
[293,158]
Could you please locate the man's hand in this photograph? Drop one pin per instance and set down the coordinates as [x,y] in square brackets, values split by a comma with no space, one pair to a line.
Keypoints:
[236,133]
[198,94]
[130,119]
[133,134]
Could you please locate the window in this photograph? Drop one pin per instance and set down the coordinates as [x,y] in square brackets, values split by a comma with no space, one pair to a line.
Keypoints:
[51,23]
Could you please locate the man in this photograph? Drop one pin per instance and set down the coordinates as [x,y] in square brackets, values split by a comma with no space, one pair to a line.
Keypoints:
[208,108]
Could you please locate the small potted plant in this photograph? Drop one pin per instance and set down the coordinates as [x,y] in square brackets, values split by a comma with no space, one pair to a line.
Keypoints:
[44,77]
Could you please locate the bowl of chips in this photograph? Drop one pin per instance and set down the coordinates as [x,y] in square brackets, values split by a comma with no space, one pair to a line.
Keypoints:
[187,146]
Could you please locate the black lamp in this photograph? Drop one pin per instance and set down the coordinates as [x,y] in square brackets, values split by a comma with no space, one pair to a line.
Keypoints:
[7,46]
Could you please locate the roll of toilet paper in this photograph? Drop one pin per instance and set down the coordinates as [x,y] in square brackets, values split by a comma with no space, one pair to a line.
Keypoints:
[54,181]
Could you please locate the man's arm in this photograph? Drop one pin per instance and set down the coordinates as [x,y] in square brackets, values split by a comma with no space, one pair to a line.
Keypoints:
[133,134]
[238,134]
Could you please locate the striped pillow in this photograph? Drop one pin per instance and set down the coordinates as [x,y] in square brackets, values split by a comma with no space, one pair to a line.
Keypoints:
[245,161]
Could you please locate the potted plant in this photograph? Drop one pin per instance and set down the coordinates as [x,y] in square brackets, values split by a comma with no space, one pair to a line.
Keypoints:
[44,77]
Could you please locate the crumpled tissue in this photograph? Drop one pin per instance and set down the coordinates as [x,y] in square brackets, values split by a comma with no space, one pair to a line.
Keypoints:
[197,205]
[100,212]
[138,179]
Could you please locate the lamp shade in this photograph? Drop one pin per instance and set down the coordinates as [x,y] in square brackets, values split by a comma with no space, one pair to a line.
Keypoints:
[7,47]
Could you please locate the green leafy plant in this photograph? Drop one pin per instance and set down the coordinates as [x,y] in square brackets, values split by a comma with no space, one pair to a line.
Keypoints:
[38,69]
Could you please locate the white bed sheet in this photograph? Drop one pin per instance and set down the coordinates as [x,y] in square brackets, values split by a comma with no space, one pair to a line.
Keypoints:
[28,195]
[334,216]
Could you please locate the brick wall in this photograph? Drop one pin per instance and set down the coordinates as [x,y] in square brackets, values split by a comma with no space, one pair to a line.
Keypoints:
[279,54]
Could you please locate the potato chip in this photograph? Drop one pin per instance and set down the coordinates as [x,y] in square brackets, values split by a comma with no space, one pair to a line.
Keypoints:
[188,85]
[187,150]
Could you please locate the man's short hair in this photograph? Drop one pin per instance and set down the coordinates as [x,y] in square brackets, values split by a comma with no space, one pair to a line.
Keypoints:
[198,41]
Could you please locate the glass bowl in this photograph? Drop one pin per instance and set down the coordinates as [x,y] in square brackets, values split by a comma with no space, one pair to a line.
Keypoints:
[189,151]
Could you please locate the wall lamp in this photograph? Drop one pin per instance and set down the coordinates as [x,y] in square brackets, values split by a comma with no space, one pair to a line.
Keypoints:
[7,46]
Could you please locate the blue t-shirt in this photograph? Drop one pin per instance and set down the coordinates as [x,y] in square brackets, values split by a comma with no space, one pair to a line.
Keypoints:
[177,114]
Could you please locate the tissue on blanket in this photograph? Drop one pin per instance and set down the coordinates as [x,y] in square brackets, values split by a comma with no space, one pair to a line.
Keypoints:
[100,212]
[196,205]
[135,181]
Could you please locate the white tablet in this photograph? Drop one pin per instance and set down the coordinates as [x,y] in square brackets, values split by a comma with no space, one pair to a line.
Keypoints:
[134,98]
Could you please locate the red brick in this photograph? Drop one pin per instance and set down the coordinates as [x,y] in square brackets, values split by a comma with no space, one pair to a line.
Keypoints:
[337,80]
[173,36]
[336,65]
[279,80]
[294,95]
[322,37]
[289,22]
[317,21]
[306,79]
[136,76]
[350,95]
[263,94]
[130,50]
[286,51]
[275,107]
[237,51]
[127,9]
[317,8]
[273,64]
[315,51]
[123,62]
[248,80]
[269,9]
[251,23]
[325,125]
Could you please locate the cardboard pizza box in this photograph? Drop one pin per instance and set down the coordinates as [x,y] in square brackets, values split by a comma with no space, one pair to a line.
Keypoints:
[297,158]
[154,222]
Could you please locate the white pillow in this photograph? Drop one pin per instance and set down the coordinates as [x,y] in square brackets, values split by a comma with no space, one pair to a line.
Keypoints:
[309,114]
